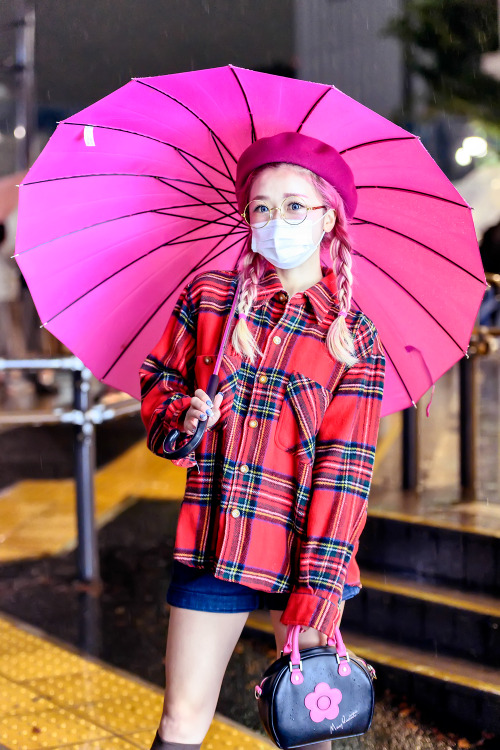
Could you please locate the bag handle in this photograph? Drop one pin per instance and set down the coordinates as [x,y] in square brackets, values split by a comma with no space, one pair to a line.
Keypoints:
[292,647]
[169,449]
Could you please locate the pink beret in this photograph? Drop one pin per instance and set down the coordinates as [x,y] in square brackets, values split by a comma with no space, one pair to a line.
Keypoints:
[297,148]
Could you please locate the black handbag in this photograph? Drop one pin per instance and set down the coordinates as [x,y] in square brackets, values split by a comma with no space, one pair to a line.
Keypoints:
[317,694]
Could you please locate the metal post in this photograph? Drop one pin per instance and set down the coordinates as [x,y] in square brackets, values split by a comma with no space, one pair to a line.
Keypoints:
[410,448]
[468,430]
[25,83]
[87,554]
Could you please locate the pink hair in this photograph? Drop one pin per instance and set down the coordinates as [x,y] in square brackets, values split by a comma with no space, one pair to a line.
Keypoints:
[336,243]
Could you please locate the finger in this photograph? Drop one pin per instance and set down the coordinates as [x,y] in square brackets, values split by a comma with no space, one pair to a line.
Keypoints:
[195,414]
[202,396]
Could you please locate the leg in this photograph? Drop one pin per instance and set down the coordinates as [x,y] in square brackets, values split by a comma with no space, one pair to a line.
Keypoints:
[310,638]
[199,646]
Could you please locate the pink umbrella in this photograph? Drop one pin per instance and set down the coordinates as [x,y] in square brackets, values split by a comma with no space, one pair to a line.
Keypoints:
[134,195]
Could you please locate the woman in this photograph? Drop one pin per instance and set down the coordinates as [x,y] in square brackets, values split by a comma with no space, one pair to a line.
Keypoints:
[277,491]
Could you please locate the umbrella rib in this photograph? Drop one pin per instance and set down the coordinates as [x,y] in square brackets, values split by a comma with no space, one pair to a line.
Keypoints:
[207,222]
[125,174]
[206,259]
[416,242]
[225,200]
[415,192]
[410,137]
[252,124]
[413,297]
[358,145]
[222,157]
[206,178]
[386,350]
[174,241]
[313,107]
[150,138]
[188,109]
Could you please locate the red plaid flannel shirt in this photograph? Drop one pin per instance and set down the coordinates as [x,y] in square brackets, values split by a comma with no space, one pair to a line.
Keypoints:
[277,491]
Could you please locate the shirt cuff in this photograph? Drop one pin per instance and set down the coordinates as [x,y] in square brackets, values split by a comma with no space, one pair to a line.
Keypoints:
[313,611]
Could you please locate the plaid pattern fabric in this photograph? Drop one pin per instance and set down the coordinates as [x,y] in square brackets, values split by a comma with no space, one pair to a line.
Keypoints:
[277,492]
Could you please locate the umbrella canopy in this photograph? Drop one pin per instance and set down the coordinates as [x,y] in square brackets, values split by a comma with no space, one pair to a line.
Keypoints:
[134,195]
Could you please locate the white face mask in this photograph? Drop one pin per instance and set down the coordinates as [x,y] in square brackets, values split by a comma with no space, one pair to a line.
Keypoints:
[285,245]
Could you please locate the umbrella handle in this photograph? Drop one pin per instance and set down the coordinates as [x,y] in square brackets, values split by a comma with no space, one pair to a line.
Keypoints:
[169,449]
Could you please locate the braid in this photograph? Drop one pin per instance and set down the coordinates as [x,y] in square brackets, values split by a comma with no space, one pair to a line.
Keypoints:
[251,270]
[339,339]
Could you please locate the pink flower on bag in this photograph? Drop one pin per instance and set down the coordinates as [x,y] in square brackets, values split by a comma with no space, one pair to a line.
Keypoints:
[324,702]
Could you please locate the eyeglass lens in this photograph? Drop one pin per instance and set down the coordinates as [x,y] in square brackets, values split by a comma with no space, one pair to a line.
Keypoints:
[292,209]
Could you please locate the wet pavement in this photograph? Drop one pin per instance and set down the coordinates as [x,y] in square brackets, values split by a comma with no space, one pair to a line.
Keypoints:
[125,625]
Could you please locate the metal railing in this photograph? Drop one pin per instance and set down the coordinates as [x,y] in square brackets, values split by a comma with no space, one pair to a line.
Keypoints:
[84,417]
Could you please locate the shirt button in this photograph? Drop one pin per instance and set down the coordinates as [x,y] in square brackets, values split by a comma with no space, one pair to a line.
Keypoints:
[277,340]
[244,469]
[208,360]
[263,379]
[235,513]
[253,423]
[282,296]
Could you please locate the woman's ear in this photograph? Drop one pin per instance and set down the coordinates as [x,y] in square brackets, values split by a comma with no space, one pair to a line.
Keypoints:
[329,220]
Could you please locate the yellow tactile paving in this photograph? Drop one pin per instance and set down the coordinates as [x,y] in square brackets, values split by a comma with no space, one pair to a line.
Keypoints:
[17,699]
[52,697]
[38,517]
[92,686]
[48,729]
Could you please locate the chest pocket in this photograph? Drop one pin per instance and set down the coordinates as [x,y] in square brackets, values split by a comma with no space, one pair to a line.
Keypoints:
[228,378]
[302,412]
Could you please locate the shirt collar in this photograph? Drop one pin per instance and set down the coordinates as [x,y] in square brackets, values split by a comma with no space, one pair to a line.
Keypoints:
[322,297]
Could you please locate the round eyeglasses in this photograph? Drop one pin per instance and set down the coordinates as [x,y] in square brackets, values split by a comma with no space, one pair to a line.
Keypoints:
[258,213]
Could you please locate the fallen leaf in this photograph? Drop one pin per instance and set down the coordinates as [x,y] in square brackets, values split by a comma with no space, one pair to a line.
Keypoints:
[405,711]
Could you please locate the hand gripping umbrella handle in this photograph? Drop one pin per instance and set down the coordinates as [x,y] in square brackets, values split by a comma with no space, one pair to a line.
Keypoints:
[169,449]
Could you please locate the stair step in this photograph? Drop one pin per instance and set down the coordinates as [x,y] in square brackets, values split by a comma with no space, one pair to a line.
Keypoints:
[448,669]
[464,693]
[479,603]
[435,507]
[428,616]
[451,518]
[427,549]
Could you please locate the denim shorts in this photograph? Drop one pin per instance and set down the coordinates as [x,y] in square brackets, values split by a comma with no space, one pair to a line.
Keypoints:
[196,588]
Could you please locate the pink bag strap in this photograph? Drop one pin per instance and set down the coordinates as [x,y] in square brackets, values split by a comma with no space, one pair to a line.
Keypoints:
[292,647]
